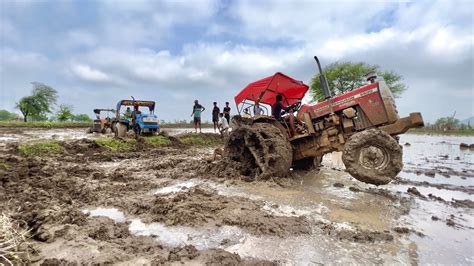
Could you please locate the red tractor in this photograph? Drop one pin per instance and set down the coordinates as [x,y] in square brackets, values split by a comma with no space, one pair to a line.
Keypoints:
[362,123]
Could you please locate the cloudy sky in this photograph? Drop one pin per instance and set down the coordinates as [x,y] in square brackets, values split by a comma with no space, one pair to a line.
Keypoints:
[98,52]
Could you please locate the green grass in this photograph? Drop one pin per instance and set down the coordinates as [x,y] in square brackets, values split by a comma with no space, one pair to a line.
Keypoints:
[200,140]
[455,132]
[35,149]
[45,124]
[157,140]
[116,145]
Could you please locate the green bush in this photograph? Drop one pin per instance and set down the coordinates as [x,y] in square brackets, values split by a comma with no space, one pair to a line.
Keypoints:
[116,144]
[35,149]
[158,140]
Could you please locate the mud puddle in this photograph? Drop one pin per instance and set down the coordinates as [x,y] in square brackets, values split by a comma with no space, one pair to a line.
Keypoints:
[112,213]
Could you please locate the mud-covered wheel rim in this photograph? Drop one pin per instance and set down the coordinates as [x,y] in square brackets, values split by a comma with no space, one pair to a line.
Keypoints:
[373,157]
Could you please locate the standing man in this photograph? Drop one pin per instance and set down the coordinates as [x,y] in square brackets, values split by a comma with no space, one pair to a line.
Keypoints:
[215,116]
[197,110]
[227,112]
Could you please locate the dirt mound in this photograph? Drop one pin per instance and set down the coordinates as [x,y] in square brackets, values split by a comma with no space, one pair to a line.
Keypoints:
[199,207]
[257,152]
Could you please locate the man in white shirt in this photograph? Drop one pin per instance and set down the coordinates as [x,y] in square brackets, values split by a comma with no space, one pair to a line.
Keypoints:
[223,124]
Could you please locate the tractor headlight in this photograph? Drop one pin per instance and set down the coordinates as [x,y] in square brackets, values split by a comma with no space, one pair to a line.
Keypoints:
[150,119]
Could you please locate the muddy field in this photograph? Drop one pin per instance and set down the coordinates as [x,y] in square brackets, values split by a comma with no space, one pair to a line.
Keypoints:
[164,204]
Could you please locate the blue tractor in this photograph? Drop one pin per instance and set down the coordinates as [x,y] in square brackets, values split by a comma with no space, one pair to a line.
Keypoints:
[134,119]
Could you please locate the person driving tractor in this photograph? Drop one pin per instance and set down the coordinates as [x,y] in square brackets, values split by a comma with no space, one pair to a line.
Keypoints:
[278,108]
[128,113]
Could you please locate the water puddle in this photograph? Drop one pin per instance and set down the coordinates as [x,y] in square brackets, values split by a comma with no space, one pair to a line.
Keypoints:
[7,139]
[180,235]
[177,187]
[442,244]
[315,249]
[112,213]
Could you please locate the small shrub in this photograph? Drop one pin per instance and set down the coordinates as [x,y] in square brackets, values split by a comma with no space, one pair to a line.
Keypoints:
[116,144]
[158,140]
[35,149]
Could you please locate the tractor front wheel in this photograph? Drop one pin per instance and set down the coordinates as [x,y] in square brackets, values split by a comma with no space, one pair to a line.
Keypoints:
[373,156]
[120,130]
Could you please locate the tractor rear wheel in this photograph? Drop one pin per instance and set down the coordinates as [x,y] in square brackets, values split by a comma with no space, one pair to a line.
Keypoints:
[373,156]
[260,151]
[120,130]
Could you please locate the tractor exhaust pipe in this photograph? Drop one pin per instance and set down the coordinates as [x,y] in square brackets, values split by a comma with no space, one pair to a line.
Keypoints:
[322,79]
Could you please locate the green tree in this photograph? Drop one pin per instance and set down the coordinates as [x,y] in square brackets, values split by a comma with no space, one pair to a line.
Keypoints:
[81,118]
[39,103]
[7,116]
[64,113]
[347,76]
[446,123]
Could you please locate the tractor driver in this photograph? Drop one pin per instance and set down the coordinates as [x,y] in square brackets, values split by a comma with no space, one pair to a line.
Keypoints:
[277,109]
[128,113]
[135,112]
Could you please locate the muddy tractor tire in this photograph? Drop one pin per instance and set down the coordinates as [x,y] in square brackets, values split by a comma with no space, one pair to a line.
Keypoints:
[373,156]
[120,130]
[260,150]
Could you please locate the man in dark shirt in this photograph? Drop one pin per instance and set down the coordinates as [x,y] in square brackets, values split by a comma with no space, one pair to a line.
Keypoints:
[215,116]
[277,107]
[227,112]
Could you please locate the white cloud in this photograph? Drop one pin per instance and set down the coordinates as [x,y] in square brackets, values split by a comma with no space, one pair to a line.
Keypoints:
[87,73]
[142,45]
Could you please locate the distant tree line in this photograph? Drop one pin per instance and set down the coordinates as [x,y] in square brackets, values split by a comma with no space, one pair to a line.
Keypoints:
[39,106]
[448,123]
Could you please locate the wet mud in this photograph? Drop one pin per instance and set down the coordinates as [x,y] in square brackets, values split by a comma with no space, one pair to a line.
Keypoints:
[169,205]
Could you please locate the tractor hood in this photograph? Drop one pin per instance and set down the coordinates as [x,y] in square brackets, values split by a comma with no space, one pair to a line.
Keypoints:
[266,90]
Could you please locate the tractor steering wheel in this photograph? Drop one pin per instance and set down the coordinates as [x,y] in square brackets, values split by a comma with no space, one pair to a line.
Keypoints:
[294,107]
